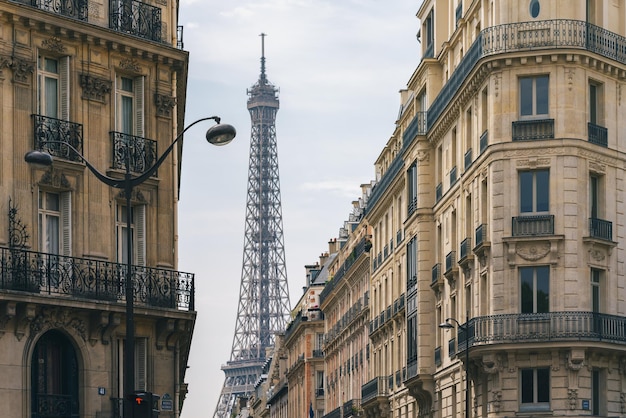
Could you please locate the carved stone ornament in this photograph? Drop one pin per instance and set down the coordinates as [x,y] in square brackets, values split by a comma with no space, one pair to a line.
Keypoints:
[164,104]
[597,255]
[21,68]
[53,44]
[136,197]
[533,251]
[94,88]
[422,156]
[496,400]
[55,179]
[130,64]
[58,318]
[572,396]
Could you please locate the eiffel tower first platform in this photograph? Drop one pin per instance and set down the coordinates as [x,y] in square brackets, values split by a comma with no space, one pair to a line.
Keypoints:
[263,295]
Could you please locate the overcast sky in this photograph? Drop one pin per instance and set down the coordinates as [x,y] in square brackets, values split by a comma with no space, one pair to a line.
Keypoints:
[339,65]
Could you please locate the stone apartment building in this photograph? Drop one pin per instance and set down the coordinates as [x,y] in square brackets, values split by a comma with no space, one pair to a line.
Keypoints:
[107,78]
[505,181]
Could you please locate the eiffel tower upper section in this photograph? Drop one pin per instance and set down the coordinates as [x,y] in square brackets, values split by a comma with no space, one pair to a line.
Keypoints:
[264,305]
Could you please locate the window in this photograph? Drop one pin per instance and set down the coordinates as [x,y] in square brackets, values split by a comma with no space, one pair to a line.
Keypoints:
[596,294]
[141,364]
[535,289]
[534,8]
[54,223]
[412,188]
[595,103]
[138,227]
[595,196]
[411,340]
[53,87]
[129,102]
[411,265]
[534,191]
[429,35]
[534,93]
[535,389]
[598,390]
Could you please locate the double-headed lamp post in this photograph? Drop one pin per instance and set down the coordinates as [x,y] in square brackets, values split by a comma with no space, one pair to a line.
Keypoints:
[219,134]
[448,325]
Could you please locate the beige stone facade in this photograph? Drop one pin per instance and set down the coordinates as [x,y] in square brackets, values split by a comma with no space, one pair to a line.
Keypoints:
[96,76]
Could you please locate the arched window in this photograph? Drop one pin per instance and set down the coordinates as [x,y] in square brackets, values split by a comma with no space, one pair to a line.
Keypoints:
[54,379]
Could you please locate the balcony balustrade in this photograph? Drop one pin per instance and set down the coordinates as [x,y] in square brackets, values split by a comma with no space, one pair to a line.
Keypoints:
[436,273]
[597,134]
[51,135]
[335,413]
[52,406]
[468,159]
[135,18]
[450,260]
[374,388]
[57,275]
[484,141]
[465,248]
[532,225]
[76,9]
[452,347]
[438,356]
[480,234]
[453,176]
[351,408]
[546,327]
[438,192]
[533,130]
[599,228]
[143,152]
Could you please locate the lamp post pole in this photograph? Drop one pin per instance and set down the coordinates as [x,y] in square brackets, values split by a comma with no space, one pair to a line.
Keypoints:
[219,134]
[448,325]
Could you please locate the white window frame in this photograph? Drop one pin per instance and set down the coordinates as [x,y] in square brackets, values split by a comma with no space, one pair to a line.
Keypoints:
[64,216]
[62,76]
[138,229]
[137,96]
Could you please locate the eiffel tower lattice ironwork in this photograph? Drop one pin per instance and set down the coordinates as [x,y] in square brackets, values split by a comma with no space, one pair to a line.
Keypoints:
[264,295]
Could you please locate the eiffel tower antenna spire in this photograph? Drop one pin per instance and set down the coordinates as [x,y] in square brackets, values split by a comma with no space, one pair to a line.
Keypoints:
[264,294]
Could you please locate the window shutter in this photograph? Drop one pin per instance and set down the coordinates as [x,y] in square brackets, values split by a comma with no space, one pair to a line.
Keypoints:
[140,227]
[141,348]
[139,86]
[66,223]
[64,81]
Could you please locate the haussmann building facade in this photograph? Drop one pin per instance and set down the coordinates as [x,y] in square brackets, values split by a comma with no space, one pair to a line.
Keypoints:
[109,79]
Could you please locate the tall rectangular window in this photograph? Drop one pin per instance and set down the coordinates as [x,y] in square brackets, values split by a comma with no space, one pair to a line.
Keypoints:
[535,388]
[595,192]
[596,290]
[129,103]
[411,264]
[137,236]
[535,289]
[534,191]
[595,103]
[534,95]
[53,87]
[54,223]
[141,364]
[412,188]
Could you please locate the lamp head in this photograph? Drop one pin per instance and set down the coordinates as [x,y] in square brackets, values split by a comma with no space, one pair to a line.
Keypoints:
[38,157]
[221,134]
[446,325]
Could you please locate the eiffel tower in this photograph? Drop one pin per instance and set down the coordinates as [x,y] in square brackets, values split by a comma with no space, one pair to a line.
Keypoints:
[264,295]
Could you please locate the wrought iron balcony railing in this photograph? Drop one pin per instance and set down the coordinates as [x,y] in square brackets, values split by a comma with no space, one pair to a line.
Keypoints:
[76,9]
[452,347]
[532,225]
[135,18]
[466,248]
[51,135]
[335,413]
[351,407]
[416,127]
[597,134]
[142,152]
[599,228]
[438,192]
[50,274]
[53,406]
[480,235]
[484,141]
[450,261]
[436,273]
[533,130]
[546,327]
[374,388]
[453,176]
[468,159]
[438,356]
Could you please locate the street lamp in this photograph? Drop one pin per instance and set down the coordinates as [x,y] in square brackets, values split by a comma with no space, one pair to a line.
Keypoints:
[448,325]
[219,134]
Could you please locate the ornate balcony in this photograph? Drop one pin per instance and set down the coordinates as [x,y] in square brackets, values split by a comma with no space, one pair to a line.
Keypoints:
[352,408]
[335,413]
[599,228]
[51,135]
[533,130]
[466,257]
[143,152]
[468,159]
[135,18]
[438,192]
[546,328]
[374,397]
[76,9]
[57,275]
[484,141]
[453,176]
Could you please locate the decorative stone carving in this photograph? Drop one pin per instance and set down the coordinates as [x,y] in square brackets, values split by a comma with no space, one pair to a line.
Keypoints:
[58,318]
[496,400]
[25,314]
[6,314]
[130,64]
[94,88]
[422,156]
[164,105]
[55,179]
[572,396]
[533,251]
[21,68]
[53,44]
